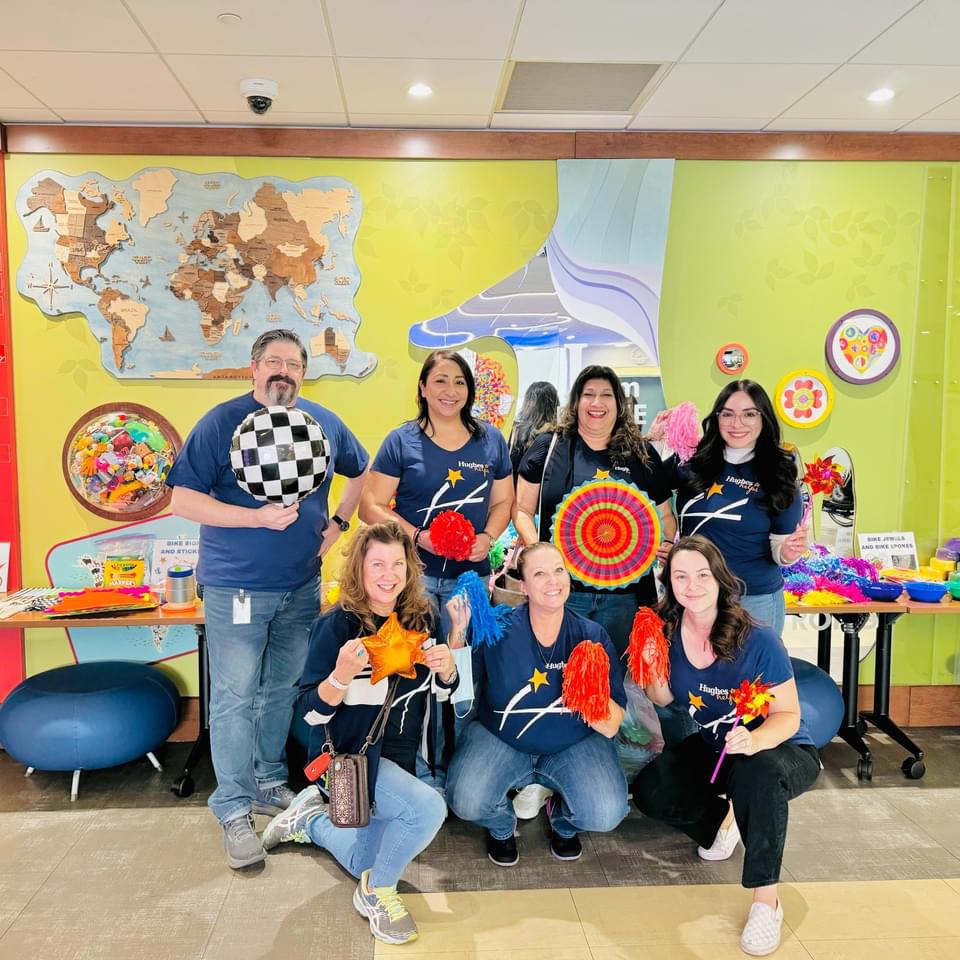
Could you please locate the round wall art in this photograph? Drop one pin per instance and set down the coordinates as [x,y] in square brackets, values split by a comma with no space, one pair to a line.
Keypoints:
[116,458]
[863,346]
[732,358]
[804,398]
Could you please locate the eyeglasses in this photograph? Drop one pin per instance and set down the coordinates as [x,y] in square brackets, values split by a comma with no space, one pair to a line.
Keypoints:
[748,418]
[275,363]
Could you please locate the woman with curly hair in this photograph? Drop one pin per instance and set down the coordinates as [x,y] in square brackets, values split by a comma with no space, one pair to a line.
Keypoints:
[381,576]
[594,439]
[714,646]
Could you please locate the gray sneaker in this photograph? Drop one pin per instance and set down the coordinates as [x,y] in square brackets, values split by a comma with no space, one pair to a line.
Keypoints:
[241,842]
[291,825]
[389,920]
[272,800]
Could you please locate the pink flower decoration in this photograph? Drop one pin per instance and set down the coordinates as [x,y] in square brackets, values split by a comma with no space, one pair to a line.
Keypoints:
[803,399]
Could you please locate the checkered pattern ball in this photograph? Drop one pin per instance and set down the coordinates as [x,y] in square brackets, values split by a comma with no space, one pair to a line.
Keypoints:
[279,455]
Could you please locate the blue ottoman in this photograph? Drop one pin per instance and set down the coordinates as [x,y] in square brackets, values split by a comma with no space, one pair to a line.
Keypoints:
[88,716]
[821,703]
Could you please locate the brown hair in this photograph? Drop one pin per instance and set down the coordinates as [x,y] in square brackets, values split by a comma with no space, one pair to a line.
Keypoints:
[733,623]
[527,552]
[413,607]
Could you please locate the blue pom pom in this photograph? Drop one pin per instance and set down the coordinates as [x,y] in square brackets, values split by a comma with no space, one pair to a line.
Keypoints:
[484,628]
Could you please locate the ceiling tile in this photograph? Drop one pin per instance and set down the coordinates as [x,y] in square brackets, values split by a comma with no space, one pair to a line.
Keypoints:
[56,25]
[104,81]
[744,31]
[926,125]
[130,115]
[919,89]
[13,95]
[605,30]
[451,122]
[275,118]
[307,84]
[950,110]
[292,28]
[28,115]
[423,28]
[560,121]
[731,89]
[928,34]
[842,125]
[460,87]
[698,123]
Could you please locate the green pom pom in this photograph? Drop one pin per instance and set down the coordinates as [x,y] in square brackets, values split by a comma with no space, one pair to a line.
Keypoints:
[497,556]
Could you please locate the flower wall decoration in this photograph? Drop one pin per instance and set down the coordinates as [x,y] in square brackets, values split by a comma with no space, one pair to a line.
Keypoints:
[804,398]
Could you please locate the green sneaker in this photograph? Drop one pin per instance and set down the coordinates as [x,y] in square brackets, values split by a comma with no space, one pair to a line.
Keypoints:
[389,919]
[291,825]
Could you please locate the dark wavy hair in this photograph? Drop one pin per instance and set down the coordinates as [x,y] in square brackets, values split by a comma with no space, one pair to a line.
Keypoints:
[626,441]
[539,409]
[423,414]
[775,468]
[733,623]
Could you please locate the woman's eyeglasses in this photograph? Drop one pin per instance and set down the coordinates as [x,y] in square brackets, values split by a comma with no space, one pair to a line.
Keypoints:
[748,418]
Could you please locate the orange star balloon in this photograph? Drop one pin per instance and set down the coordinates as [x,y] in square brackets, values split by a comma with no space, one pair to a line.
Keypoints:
[394,650]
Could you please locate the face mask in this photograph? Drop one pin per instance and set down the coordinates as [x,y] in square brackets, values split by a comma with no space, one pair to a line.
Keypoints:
[463,657]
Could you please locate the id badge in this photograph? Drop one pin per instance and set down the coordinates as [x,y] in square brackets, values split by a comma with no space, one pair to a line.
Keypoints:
[241,608]
[463,657]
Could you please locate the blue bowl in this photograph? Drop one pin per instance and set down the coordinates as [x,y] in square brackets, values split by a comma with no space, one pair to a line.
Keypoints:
[926,590]
[882,590]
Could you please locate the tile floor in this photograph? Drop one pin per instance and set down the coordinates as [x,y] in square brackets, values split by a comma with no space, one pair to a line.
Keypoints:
[130,871]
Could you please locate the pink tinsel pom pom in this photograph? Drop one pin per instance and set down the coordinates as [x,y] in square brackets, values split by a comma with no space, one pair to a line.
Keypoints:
[683,430]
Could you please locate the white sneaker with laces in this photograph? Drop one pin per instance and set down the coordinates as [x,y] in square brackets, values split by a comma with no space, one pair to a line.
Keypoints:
[724,843]
[529,801]
[761,934]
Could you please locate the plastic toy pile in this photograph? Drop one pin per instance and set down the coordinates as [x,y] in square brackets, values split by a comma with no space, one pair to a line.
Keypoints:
[822,578]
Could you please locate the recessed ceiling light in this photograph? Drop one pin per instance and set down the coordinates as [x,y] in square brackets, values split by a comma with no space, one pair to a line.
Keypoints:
[420,90]
[229,19]
[881,95]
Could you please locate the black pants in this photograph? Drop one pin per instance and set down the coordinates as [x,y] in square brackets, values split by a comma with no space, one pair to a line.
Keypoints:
[676,789]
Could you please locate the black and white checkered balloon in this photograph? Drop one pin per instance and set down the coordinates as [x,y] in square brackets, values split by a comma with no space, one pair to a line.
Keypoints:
[280,455]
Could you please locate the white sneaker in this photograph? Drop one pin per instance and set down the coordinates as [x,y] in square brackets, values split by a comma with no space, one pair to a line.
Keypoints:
[724,843]
[761,935]
[528,803]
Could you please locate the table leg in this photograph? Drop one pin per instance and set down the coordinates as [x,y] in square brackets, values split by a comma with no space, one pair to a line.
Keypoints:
[913,767]
[824,635]
[852,728]
[183,786]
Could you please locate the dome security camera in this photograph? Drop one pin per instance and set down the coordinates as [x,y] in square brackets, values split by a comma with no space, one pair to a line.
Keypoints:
[260,94]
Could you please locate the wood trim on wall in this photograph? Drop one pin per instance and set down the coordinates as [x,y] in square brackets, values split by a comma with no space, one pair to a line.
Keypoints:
[409,144]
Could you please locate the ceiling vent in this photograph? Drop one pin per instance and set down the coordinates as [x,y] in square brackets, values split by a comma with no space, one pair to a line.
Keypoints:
[577,87]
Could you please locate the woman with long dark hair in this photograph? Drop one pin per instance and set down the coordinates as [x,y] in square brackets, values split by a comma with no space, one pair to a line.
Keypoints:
[380,577]
[594,439]
[538,411]
[714,646]
[740,490]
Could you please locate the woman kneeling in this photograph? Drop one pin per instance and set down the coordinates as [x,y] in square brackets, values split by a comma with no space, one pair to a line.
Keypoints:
[381,576]
[524,734]
[714,647]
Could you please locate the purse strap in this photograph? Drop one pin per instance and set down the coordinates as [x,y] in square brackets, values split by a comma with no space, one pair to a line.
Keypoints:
[377,729]
[543,476]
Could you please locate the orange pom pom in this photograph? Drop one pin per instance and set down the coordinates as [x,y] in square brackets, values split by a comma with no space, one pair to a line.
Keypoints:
[586,682]
[647,630]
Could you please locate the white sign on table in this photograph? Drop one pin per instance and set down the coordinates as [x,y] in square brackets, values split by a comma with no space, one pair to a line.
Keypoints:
[892,549]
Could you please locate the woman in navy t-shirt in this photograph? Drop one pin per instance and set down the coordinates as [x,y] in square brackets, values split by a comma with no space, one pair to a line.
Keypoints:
[714,646]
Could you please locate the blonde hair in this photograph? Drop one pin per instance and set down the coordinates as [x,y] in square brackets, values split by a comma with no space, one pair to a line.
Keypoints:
[413,607]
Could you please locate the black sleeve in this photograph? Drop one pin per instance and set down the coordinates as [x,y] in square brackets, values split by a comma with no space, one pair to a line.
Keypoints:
[659,480]
[328,634]
[531,466]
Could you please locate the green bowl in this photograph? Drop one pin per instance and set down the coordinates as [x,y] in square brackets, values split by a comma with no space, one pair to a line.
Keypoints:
[954,587]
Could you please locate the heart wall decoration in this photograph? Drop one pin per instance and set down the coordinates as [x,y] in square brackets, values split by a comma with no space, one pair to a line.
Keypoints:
[863,346]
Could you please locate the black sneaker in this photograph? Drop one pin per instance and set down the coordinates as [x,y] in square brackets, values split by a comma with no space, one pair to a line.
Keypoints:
[565,848]
[503,853]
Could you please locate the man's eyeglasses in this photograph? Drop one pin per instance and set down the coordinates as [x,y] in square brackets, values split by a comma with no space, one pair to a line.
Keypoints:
[748,418]
[275,363]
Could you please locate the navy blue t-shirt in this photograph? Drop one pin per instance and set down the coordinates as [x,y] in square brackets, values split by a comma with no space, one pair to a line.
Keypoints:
[520,683]
[253,557]
[706,693]
[432,480]
[733,514]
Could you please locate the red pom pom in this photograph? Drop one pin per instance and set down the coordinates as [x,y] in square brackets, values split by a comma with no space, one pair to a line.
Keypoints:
[586,682]
[648,629]
[452,535]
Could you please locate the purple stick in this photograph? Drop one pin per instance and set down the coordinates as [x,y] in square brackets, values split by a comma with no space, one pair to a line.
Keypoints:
[723,753]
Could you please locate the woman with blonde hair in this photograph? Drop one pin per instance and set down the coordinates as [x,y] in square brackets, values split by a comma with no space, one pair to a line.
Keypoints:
[381,577]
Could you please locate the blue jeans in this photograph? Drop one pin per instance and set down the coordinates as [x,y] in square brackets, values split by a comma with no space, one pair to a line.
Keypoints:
[613,611]
[406,817]
[586,777]
[767,608]
[254,672]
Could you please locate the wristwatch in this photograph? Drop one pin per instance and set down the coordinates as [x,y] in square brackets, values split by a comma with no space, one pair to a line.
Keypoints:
[344,525]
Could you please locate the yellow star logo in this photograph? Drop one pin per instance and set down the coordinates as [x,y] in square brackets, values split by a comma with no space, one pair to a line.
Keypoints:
[601,475]
[453,476]
[716,488]
[695,701]
[538,679]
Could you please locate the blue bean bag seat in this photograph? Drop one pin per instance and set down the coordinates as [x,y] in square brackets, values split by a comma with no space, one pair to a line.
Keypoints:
[88,716]
[821,703]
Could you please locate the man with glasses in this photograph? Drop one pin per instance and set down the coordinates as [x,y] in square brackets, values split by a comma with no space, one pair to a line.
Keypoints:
[260,571]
